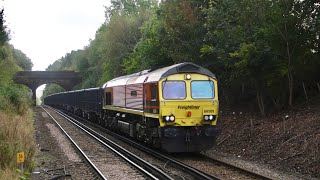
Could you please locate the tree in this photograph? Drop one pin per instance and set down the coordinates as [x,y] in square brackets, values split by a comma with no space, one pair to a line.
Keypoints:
[122,33]
[22,60]
[3,33]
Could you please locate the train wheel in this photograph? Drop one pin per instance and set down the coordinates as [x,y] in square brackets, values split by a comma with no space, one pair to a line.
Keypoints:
[105,121]
[156,143]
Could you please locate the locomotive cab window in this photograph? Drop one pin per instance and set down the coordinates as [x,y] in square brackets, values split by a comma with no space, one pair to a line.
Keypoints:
[202,89]
[174,90]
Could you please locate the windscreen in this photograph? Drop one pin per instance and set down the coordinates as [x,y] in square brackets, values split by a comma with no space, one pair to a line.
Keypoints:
[174,89]
[202,89]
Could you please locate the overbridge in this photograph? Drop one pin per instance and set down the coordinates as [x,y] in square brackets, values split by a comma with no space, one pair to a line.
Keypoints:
[34,79]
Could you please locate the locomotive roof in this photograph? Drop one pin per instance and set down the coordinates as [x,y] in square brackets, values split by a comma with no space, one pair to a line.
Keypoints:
[156,75]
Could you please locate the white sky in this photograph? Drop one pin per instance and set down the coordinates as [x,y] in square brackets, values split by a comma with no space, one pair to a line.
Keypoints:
[45,30]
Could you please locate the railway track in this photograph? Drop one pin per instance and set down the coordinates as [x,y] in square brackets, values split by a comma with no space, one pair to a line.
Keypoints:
[189,166]
[188,171]
[93,149]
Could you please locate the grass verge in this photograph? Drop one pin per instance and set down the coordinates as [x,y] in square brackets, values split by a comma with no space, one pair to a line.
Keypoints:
[16,135]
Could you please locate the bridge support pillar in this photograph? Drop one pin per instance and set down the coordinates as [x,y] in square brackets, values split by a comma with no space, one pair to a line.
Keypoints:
[34,96]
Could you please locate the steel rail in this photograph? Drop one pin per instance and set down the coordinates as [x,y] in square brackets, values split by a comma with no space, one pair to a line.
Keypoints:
[249,172]
[78,148]
[131,158]
[184,167]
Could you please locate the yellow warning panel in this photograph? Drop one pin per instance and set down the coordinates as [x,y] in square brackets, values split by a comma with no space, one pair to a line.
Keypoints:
[20,157]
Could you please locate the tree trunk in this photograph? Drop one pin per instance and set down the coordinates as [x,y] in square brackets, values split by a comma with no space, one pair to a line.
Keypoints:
[260,103]
[305,91]
[290,76]
[224,94]
[318,86]
[290,82]
[276,104]
[242,89]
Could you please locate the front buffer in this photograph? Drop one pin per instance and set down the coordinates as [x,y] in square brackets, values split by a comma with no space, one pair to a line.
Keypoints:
[188,139]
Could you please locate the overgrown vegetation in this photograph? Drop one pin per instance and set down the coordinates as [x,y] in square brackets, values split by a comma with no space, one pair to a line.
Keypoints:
[16,121]
[16,135]
[266,54]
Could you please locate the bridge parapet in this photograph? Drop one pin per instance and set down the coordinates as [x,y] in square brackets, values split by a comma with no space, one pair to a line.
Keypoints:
[34,79]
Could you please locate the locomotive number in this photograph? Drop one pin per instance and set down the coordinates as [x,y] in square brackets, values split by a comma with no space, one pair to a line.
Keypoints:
[209,111]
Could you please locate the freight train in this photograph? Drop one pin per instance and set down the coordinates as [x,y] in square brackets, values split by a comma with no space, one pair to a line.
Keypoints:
[174,108]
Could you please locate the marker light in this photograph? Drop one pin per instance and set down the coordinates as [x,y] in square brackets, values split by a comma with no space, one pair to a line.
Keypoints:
[167,118]
[188,76]
[171,118]
[210,117]
[206,118]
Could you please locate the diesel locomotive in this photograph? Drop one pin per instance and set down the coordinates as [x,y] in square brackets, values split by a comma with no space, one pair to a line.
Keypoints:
[174,108]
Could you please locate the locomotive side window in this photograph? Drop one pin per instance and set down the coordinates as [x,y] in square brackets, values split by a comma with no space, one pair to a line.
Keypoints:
[108,98]
[134,93]
[174,90]
[202,89]
[154,92]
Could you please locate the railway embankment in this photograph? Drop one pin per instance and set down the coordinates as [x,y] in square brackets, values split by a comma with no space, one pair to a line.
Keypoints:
[287,141]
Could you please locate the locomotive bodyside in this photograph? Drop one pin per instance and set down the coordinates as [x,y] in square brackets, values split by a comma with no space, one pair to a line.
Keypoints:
[173,108]
[146,107]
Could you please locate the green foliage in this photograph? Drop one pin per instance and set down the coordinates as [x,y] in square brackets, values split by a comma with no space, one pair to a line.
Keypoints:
[14,97]
[121,36]
[22,60]
[16,135]
[183,30]
[16,126]
[148,52]
[260,42]
[129,7]
[51,89]
[260,50]
[3,33]
[25,174]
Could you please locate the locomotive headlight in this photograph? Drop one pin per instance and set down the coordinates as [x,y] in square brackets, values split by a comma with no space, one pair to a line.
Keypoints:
[209,117]
[188,76]
[168,118]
